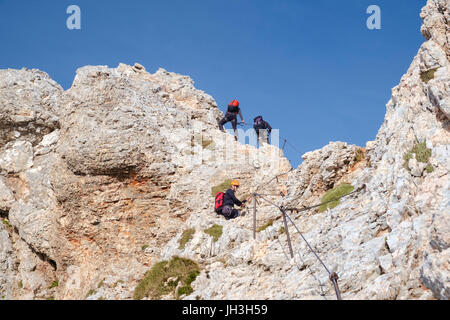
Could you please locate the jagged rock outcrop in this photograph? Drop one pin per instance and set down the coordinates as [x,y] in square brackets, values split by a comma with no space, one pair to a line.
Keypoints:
[30,104]
[383,242]
[321,170]
[101,181]
[126,161]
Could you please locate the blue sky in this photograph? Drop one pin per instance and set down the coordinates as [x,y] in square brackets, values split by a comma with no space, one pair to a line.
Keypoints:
[311,68]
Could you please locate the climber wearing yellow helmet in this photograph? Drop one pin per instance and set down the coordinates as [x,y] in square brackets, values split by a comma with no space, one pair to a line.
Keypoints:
[230,200]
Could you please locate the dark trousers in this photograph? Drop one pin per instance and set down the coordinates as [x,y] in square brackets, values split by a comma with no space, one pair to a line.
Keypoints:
[230,213]
[228,117]
[262,133]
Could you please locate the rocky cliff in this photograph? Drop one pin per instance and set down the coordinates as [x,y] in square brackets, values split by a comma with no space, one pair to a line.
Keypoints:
[104,181]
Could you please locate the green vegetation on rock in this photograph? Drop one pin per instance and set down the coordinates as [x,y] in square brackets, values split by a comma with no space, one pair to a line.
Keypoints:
[408,156]
[221,187]
[336,192]
[207,144]
[54,284]
[360,155]
[6,223]
[215,231]
[185,238]
[266,225]
[164,277]
[187,289]
[428,75]
[90,293]
[421,152]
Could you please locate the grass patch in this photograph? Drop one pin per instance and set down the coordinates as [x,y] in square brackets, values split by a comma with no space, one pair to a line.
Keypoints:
[215,231]
[100,284]
[428,75]
[207,143]
[360,155]
[54,284]
[185,238]
[20,284]
[164,277]
[339,191]
[6,223]
[282,230]
[265,226]
[90,293]
[421,152]
[408,156]
[221,187]
[429,168]
[187,289]
[145,246]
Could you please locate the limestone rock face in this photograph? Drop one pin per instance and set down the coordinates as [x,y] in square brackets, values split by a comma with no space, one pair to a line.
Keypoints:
[125,158]
[435,27]
[321,170]
[29,102]
[6,196]
[17,157]
[6,264]
[101,181]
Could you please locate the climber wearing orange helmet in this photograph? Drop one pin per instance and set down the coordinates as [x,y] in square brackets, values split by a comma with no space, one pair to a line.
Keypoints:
[231,115]
[230,200]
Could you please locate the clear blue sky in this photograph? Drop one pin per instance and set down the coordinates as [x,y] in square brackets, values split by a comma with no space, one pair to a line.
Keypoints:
[311,68]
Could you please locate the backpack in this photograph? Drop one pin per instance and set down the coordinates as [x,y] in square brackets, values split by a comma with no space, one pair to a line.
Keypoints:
[258,121]
[219,202]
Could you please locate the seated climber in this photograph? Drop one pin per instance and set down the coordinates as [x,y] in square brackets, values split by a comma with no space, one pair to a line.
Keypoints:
[230,200]
[262,128]
[231,115]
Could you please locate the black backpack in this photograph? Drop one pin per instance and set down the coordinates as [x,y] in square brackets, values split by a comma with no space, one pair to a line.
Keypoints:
[259,123]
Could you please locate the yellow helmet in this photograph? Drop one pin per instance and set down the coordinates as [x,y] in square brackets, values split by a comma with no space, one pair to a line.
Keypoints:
[235,183]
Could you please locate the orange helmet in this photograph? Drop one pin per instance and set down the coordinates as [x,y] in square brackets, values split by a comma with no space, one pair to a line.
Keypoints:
[234,103]
[235,183]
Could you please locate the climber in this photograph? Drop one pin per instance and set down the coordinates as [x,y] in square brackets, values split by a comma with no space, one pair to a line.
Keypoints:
[231,115]
[262,128]
[230,200]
